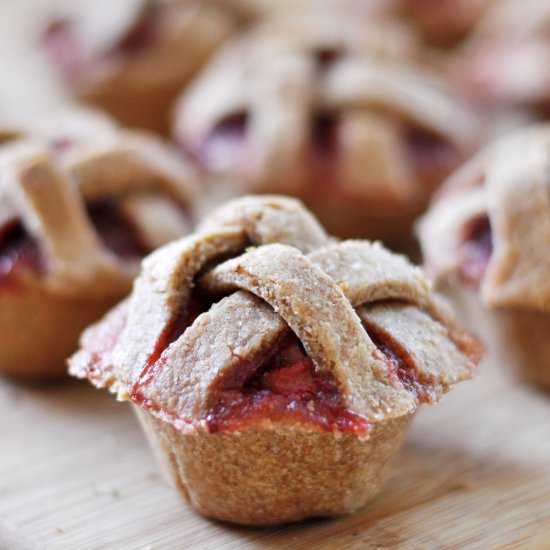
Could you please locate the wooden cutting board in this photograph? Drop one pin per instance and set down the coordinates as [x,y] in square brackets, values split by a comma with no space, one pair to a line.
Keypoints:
[76,473]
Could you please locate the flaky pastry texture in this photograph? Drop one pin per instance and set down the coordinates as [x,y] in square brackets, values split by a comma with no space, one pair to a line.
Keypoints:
[81,201]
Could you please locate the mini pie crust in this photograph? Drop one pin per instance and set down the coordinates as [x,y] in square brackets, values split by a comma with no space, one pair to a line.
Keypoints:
[271,271]
[510,304]
[506,59]
[328,108]
[60,165]
[138,85]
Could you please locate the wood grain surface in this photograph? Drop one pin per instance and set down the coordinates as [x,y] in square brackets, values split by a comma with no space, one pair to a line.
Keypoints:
[76,473]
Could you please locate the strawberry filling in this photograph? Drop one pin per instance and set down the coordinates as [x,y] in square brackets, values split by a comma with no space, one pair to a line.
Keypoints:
[431,156]
[285,387]
[117,233]
[18,252]
[401,364]
[94,359]
[475,251]
[226,147]
[325,136]
[61,43]
[142,35]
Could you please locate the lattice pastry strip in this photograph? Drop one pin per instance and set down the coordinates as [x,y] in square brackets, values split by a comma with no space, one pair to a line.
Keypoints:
[50,177]
[49,205]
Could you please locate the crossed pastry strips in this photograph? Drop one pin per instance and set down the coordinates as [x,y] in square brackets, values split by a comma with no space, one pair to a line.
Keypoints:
[334,113]
[198,323]
[81,202]
[490,225]
[154,194]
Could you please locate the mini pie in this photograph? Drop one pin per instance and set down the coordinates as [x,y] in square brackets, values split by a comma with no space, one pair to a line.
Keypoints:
[132,57]
[80,203]
[332,111]
[275,382]
[486,241]
[507,58]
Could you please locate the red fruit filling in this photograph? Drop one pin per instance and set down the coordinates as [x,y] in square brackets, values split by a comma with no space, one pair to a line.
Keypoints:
[327,56]
[225,147]
[431,156]
[61,145]
[116,232]
[325,134]
[401,364]
[18,251]
[475,251]
[94,360]
[61,43]
[142,35]
[285,386]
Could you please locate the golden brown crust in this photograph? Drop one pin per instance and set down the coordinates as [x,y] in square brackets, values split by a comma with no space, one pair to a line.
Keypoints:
[270,219]
[8,133]
[267,292]
[271,477]
[40,330]
[48,179]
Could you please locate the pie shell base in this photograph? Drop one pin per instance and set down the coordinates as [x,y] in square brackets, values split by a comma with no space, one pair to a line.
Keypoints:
[516,338]
[267,477]
[32,346]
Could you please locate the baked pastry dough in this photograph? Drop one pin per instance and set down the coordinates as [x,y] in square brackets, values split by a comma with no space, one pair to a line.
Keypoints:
[444,22]
[333,112]
[132,57]
[275,382]
[486,239]
[275,8]
[506,60]
[80,203]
